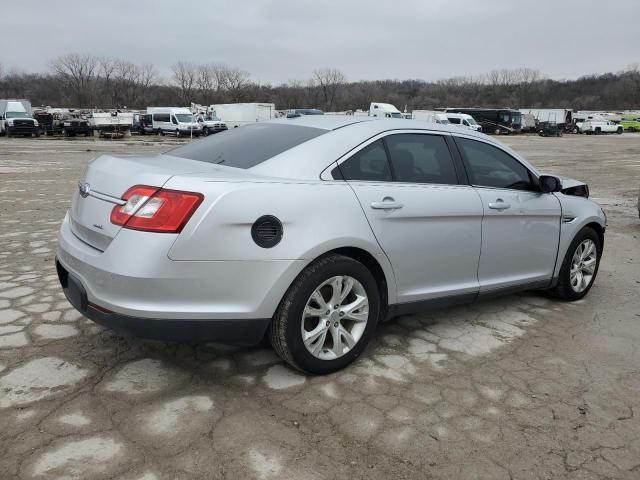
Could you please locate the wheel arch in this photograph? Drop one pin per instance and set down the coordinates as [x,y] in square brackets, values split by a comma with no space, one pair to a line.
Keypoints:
[372,264]
[567,236]
[599,229]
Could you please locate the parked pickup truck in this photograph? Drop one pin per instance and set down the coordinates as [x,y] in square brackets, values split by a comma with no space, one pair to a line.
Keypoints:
[16,118]
[597,127]
[210,124]
[631,124]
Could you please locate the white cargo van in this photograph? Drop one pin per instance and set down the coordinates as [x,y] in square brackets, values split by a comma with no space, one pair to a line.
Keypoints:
[237,114]
[430,116]
[463,120]
[179,121]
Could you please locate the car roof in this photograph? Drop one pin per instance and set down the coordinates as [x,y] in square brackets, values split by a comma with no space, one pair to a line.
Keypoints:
[343,134]
[372,125]
[324,122]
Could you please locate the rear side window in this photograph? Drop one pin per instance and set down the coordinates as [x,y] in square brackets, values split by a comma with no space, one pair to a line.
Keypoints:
[247,146]
[369,164]
[489,166]
[419,158]
[161,117]
[454,120]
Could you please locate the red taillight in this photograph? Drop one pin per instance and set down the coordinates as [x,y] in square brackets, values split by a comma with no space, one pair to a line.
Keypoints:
[154,209]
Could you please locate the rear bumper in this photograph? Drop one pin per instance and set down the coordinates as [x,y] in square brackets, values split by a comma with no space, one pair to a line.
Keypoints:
[133,285]
[234,332]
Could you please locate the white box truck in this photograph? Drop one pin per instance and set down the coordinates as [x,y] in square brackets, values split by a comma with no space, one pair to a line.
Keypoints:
[239,114]
[16,118]
[560,116]
[429,116]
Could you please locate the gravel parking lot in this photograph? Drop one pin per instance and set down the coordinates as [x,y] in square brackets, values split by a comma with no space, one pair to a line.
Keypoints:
[520,387]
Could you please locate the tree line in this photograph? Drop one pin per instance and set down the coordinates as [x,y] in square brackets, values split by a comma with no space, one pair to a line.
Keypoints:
[89,81]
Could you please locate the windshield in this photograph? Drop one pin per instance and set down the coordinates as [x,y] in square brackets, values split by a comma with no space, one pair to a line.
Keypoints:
[211,118]
[247,146]
[184,117]
[471,121]
[17,115]
[516,118]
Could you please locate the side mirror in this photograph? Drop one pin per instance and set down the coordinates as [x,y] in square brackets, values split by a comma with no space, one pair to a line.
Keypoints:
[549,184]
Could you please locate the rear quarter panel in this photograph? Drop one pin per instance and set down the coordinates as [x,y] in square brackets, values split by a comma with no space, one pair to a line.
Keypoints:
[316,216]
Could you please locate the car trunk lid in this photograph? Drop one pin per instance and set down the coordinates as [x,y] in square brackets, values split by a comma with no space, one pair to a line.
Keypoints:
[105,181]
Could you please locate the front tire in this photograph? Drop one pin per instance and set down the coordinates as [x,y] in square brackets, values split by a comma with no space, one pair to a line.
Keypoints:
[580,266]
[327,317]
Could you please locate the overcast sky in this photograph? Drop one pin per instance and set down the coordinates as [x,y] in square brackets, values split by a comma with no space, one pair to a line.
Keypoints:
[280,40]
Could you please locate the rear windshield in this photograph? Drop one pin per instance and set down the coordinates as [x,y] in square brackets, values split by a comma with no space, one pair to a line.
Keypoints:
[247,146]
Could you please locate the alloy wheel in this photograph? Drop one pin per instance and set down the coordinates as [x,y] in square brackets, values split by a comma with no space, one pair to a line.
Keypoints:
[583,265]
[335,317]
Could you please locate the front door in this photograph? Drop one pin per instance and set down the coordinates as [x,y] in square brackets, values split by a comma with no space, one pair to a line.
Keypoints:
[425,221]
[521,226]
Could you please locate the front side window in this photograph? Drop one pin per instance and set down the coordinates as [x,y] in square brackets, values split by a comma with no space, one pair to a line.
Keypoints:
[488,166]
[369,164]
[419,158]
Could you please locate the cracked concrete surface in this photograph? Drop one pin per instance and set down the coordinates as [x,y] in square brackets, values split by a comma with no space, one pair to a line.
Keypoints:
[520,387]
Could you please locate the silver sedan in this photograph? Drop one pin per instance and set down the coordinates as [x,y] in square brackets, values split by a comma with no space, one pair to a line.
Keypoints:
[311,230]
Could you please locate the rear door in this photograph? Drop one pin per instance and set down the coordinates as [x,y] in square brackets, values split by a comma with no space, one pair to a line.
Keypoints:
[425,220]
[521,226]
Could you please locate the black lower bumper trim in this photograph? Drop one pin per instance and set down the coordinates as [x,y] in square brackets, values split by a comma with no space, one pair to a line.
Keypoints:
[231,332]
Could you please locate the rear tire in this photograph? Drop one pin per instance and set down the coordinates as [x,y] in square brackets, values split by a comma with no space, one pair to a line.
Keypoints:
[299,314]
[565,290]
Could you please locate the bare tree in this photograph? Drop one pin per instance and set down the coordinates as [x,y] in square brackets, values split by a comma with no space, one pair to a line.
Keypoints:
[146,78]
[105,73]
[235,82]
[328,81]
[78,72]
[184,76]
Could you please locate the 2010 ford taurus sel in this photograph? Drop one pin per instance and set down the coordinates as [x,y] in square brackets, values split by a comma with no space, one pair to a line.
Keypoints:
[311,230]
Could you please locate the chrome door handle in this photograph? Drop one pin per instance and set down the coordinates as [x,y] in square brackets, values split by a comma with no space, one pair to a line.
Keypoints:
[387,203]
[499,204]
